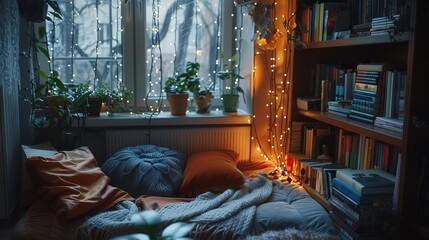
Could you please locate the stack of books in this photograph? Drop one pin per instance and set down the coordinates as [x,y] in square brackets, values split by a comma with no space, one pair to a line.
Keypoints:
[341,108]
[392,124]
[308,103]
[383,25]
[361,202]
[367,94]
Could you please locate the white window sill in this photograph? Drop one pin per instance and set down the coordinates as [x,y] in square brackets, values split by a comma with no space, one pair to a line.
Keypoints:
[166,119]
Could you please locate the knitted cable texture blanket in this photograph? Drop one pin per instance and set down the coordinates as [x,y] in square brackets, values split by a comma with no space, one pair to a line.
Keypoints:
[230,212]
[106,224]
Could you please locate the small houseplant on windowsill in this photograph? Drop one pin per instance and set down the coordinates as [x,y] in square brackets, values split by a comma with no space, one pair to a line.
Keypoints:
[178,87]
[106,100]
[232,89]
[203,98]
[117,100]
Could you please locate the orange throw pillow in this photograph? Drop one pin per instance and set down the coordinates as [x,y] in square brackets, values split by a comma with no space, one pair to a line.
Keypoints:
[213,171]
[72,185]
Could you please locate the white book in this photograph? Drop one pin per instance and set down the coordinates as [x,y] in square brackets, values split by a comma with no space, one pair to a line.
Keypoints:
[368,181]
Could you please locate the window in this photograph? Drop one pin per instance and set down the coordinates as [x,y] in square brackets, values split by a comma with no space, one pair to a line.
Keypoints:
[79,51]
[140,43]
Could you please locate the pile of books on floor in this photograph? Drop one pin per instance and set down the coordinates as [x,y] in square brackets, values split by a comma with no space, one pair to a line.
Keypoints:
[393,124]
[341,108]
[361,202]
[383,25]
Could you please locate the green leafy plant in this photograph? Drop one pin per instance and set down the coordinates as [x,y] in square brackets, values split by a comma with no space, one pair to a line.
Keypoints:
[231,78]
[148,227]
[102,92]
[117,100]
[186,81]
[295,31]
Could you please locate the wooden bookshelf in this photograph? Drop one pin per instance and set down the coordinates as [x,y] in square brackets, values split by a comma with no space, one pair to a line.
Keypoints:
[371,131]
[408,50]
[359,41]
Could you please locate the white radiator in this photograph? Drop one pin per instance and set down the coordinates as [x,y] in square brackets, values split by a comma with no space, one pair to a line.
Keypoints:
[187,140]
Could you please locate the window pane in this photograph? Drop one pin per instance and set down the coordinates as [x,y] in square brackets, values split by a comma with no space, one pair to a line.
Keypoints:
[187,31]
[90,50]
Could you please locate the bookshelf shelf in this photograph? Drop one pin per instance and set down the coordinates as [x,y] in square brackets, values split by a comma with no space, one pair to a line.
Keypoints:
[359,41]
[371,131]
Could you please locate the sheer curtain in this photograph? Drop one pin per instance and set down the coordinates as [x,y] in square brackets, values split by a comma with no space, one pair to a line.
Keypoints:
[10,163]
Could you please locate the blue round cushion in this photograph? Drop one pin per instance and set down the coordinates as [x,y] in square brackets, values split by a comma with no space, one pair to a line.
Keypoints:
[146,170]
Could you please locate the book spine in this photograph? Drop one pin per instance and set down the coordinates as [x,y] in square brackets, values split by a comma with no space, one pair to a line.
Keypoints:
[347,190]
[344,208]
[361,119]
[341,114]
[339,109]
[343,196]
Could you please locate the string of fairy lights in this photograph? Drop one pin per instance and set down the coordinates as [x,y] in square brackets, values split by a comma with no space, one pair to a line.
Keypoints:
[155,74]
[278,96]
[278,93]
[73,16]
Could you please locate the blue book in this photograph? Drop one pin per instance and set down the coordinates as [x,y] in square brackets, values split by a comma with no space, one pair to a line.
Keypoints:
[346,190]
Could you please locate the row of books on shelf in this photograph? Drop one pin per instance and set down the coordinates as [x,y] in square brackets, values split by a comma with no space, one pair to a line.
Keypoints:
[320,141]
[325,20]
[368,10]
[364,93]
[362,152]
[360,185]
[361,201]
[330,20]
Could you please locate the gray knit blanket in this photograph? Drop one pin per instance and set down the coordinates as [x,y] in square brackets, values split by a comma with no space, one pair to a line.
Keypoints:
[221,215]
[107,224]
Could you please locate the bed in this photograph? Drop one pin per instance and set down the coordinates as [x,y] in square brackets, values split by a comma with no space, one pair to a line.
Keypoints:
[226,198]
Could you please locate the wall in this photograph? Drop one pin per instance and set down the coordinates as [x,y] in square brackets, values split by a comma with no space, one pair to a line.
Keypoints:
[270,71]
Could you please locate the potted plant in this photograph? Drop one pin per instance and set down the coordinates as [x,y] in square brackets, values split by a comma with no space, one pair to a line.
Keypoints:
[202,99]
[117,100]
[37,10]
[231,79]
[177,88]
[55,106]
[97,100]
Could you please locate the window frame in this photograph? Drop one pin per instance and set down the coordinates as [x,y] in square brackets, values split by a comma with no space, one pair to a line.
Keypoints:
[134,17]
[134,53]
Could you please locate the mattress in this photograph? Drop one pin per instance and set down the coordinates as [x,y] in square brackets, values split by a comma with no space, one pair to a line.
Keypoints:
[288,207]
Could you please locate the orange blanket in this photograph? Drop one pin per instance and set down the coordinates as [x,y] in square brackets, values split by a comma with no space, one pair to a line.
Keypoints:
[72,185]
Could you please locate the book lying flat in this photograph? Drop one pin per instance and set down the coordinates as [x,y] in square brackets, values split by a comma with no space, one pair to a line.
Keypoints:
[308,103]
[369,181]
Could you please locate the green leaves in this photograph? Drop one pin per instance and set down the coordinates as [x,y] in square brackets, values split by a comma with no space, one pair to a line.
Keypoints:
[149,224]
[186,81]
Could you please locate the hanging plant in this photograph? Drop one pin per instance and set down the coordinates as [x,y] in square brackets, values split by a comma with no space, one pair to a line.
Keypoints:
[267,35]
[294,32]
[261,16]
[37,10]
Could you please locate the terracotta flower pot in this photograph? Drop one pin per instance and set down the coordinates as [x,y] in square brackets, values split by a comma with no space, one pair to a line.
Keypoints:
[178,103]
